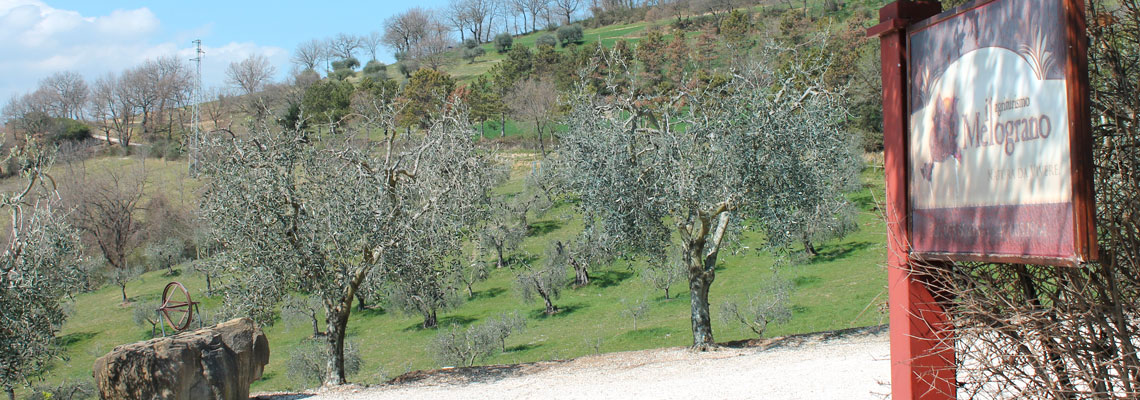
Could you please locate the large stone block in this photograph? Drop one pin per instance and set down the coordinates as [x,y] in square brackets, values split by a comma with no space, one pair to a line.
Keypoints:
[218,362]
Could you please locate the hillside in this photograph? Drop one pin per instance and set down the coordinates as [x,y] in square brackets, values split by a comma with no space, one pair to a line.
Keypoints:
[840,288]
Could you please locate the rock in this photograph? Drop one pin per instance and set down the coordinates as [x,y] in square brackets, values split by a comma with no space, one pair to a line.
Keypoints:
[218,362]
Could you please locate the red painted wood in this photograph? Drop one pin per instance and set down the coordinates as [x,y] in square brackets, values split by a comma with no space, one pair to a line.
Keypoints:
[922,354]
[1080,130]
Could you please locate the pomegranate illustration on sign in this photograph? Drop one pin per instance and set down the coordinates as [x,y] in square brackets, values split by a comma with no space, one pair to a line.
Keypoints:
[943,135]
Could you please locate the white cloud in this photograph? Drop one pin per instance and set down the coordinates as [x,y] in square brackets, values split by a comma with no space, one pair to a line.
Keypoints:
[38,40]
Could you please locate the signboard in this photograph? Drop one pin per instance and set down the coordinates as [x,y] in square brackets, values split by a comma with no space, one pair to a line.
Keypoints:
[998,141]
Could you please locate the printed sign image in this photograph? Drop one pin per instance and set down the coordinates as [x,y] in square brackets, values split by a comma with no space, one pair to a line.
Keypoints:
[989,133]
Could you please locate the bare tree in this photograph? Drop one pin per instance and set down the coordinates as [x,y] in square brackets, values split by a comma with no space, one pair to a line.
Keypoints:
[404,31]
[171,82]
[309,54]
[520,8]
[372,42]
[251,74]
[69,94]
[114,109]
[432,50]
[27,115]
[567,8]
[138,92]
[344,45]
[536,8]
[456,14]
[218,107]
[107,211]
[535,101]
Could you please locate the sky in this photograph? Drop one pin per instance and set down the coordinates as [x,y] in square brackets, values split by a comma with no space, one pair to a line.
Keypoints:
[94,37]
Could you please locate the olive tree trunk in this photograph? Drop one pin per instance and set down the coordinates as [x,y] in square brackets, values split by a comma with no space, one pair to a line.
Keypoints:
[701,249]
[700,279]
[336,323]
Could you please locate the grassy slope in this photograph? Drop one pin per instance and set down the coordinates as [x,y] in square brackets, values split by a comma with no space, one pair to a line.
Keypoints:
[841,288]
[464,72]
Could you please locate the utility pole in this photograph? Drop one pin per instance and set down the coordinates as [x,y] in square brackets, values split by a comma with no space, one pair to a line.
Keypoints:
[196,129]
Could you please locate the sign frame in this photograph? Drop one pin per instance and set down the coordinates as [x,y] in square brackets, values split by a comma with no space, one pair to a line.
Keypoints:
[1075,69]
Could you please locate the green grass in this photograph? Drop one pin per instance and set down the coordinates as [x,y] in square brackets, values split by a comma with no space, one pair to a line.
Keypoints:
[842,287]
[464,72]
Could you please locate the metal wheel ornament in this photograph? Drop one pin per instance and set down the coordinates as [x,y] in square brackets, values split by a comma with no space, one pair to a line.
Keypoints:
[177,308]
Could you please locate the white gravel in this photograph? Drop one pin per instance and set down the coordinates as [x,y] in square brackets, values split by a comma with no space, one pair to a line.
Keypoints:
[849,365]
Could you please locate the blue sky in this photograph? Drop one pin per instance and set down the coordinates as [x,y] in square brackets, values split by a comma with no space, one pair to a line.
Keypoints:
[38,38]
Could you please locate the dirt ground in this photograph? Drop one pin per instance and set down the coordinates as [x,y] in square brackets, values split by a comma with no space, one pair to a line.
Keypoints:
[849,364]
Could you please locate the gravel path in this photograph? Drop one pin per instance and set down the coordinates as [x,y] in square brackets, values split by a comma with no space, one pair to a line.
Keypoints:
[852,364]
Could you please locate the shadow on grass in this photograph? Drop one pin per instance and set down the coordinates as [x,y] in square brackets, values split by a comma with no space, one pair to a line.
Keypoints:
[520,259]
[523,347]
[842,250]
[865,201]
[540,228]
[648,333]
[563,311]
[806,280]
[442,322]
[609,278]
[372,311]
[73,338]
[488,293]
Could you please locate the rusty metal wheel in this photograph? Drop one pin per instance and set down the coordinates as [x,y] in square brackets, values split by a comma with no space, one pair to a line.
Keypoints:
[172,303]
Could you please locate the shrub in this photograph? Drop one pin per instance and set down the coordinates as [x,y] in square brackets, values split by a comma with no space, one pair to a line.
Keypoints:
[570,34]
[470,54]
[375,68]
[546,40]
[769,306]
[143,314]
[66,390]
[456,347]
[503,42]
[503,326]
[162,148]
[350,63]
[635,310]
[66,129]
[407,67]
[308,362]
[173,151]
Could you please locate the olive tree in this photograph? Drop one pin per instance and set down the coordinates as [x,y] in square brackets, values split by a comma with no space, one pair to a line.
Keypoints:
[39,267]
[502,232]
[696,168]
[545,282]
[297,212]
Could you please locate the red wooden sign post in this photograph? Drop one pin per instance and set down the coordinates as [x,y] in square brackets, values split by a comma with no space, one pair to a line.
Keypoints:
[922,357]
